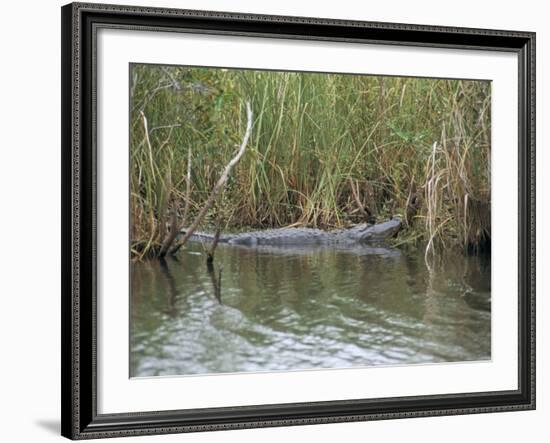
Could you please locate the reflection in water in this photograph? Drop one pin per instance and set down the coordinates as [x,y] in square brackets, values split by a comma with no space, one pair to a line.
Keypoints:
[305,308]
[216,280]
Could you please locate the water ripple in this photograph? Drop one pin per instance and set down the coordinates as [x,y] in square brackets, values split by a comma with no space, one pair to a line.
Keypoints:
[301,309]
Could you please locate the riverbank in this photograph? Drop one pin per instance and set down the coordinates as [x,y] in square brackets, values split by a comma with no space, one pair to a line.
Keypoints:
[325,151]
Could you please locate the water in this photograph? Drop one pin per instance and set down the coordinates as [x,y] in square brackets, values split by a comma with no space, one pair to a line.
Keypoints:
[291,309]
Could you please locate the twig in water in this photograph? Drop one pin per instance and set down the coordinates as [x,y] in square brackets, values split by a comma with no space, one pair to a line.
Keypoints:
[210,255]
[216,281]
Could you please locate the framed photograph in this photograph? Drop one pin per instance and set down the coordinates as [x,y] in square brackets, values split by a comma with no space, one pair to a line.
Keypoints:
[273,221]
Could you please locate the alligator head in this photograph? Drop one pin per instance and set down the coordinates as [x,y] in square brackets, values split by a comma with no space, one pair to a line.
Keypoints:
[365,232]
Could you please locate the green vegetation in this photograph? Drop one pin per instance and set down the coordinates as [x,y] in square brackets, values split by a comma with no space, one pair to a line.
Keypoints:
[325,151]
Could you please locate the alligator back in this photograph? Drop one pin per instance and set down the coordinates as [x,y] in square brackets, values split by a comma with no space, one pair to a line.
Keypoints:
[282,236]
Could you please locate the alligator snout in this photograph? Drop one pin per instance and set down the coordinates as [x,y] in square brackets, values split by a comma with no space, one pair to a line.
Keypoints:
[382,230]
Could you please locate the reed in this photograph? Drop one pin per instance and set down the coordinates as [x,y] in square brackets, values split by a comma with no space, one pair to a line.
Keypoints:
[325,151]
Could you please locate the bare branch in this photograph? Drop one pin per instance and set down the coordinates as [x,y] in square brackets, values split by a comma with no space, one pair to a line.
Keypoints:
[174,229]
[220,183]
[172,234]
[167,191]
[187,191]
[175,83]
[358,200]
[148,140]
[156,128]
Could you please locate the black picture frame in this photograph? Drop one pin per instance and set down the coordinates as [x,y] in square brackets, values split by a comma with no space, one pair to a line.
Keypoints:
[79,171]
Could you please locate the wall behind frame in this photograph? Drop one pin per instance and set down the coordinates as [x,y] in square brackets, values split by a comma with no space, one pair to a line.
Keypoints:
[30,221]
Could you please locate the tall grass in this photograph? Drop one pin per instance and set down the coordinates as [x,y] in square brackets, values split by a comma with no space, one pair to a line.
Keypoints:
[418,148]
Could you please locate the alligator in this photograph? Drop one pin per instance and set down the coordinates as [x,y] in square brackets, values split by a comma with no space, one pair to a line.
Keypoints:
[362,233]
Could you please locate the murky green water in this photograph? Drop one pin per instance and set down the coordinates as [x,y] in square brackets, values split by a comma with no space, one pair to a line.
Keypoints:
[305,308]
